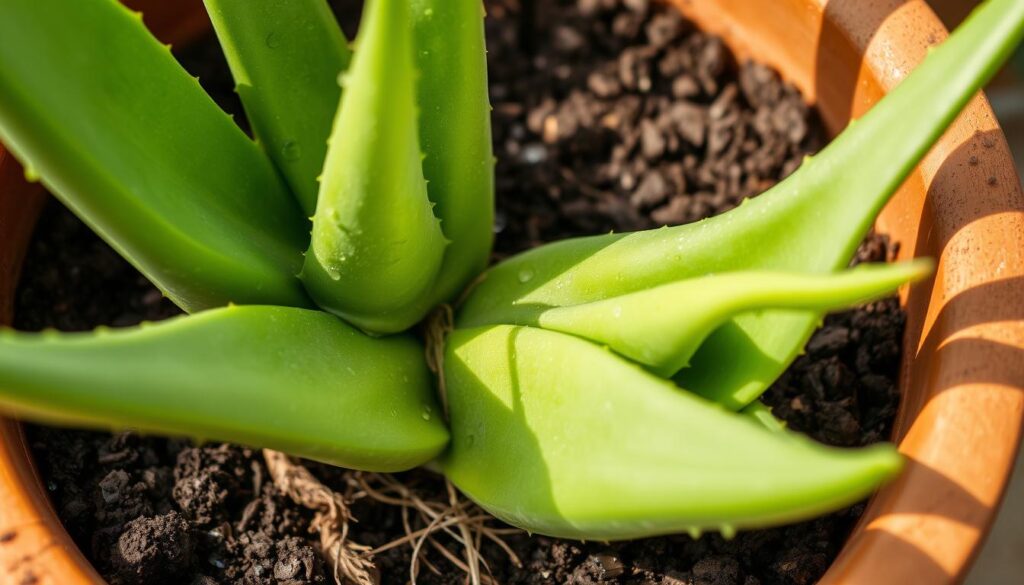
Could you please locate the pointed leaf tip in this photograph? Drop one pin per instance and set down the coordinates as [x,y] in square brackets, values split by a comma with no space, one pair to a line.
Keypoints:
[664,326]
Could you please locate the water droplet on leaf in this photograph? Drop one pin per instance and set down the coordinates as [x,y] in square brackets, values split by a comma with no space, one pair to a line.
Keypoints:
[525,275]
[332,272]
[291,151]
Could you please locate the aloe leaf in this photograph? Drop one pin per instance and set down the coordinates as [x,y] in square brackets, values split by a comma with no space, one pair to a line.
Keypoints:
[663,327]
[286,56]
[96,107]
[811,222]
[377,246]
[294,380]
[455,131]
[558,436]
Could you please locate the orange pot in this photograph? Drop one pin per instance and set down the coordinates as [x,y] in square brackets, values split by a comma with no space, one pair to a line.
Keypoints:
[963,369]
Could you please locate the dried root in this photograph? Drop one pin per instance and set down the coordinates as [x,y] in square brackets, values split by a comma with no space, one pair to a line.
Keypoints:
[351,562]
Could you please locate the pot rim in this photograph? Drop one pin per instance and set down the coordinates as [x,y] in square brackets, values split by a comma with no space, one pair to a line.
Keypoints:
[962,413]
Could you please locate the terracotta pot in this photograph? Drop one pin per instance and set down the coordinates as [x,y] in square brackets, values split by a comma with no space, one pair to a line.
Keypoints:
[963,370]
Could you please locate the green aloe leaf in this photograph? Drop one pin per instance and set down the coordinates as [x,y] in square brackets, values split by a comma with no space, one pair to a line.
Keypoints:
[455,130]
[96,107]
[286,56]
[295,380]
[377,246]
[811,222]
[558,436]
[663,327]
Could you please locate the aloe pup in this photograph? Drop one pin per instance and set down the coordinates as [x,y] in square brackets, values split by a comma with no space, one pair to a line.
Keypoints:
[581,384]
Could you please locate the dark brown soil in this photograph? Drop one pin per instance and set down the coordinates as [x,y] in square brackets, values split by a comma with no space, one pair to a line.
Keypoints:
[608,115]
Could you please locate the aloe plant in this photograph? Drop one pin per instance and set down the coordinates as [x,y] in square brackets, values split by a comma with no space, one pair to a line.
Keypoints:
[582,382]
